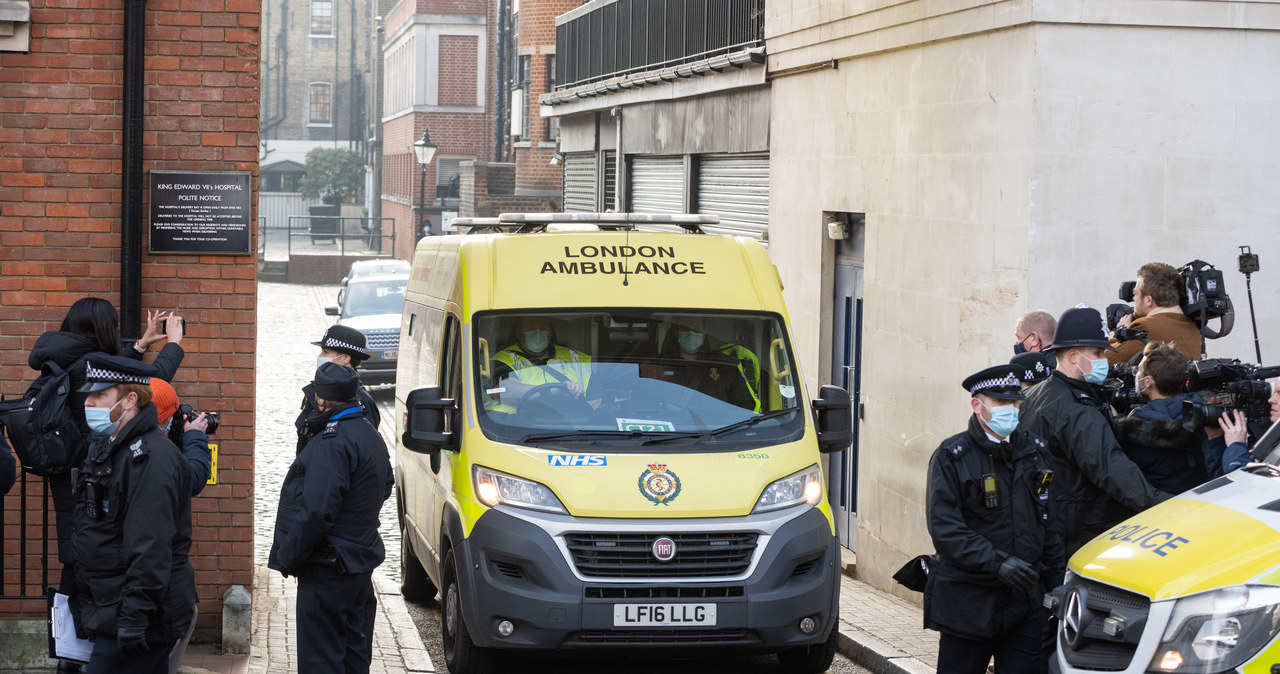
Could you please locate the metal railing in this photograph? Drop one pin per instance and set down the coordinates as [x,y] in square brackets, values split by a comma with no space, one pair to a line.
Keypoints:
[344,235]
[609,38]
[25,525]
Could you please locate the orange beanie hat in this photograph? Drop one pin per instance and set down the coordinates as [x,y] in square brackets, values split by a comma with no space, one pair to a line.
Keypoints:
[165,398]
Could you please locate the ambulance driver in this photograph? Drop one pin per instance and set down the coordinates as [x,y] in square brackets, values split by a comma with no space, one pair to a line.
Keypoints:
[536,360]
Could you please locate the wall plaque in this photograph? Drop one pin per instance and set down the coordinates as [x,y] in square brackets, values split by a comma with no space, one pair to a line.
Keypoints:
[201,212]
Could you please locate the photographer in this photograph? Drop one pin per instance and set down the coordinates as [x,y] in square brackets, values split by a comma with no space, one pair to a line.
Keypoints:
[1170,456]
[191,435]
[1157,296]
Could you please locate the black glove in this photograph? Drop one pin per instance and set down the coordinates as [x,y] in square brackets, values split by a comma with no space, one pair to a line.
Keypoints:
[1017,574]
[132,641]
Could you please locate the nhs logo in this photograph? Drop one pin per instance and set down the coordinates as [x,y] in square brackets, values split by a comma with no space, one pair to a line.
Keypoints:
[576,459]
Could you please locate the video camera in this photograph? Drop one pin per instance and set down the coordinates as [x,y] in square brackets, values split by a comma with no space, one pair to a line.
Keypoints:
[1203,298]
[1118,388]
[1236,385]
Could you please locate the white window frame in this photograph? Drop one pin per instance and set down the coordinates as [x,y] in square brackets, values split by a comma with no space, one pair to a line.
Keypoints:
[311,122]
[311,18]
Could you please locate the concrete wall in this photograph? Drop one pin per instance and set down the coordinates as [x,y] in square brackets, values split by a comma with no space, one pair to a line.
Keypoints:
[1007,156]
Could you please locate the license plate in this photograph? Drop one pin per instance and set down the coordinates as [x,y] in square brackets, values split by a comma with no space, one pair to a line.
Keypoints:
[391,354]
[664,615]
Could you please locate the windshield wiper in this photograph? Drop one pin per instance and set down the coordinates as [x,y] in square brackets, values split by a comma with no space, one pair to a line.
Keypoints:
[735,426]
[579,435]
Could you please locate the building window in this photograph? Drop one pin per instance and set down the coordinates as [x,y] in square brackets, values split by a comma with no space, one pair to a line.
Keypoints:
[520,98]
[553,123]
[321,103]
[322,17]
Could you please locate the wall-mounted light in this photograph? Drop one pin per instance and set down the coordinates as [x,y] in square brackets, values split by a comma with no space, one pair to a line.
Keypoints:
[836,229]
[557,159]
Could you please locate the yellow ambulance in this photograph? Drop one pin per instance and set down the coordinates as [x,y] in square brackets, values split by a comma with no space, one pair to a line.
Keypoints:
[1189,586]
[605,445]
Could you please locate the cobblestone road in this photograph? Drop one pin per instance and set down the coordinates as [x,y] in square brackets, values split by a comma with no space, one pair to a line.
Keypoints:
[290,317]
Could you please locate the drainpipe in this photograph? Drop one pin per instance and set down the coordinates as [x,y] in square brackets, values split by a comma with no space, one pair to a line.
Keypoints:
[131,173]
[619,166]
[375,143]
[503,89]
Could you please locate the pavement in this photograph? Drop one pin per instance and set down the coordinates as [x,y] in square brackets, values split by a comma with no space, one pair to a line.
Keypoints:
[878,631]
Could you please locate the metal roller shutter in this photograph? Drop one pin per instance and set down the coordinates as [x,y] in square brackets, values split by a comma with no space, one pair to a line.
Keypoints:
[657,184]
[736,188]
[580,182]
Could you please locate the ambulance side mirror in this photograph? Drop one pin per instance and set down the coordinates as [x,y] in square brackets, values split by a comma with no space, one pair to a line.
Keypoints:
[427,421]
[833,416]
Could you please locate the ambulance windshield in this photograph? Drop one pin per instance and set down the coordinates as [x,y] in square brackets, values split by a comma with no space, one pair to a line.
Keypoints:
[639,376]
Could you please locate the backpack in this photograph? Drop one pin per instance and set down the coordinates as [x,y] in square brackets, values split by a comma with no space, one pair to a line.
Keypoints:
[41,428]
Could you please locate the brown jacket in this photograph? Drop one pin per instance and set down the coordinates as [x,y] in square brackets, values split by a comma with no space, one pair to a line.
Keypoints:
[1173,327]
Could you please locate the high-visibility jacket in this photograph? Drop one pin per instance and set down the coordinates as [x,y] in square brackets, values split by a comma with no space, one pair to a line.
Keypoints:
[569,364]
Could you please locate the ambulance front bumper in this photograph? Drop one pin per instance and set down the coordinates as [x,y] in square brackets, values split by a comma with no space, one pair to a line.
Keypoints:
[755,583]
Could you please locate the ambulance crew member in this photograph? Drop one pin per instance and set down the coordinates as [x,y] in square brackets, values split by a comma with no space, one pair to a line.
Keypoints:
[707,371]
[134,588]
[989,518]
[535,359]
[1096,485]
[326,530]
[345,346]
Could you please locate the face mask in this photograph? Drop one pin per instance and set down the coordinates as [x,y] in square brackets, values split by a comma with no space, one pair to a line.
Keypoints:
[322,360]
[167,423]
[690,341]
[1004,419]
[1099,371]
[99,419]
[1019,348]
[536,340]
[1137,387]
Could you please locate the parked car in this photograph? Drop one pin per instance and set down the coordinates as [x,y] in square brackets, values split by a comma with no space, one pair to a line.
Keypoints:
[371,268]
[372,304]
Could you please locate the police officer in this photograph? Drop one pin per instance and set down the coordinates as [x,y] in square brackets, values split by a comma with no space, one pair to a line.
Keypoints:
[133,505]
[989,518]
[326,529]
[345,346]
[1038,365]
[1096,484]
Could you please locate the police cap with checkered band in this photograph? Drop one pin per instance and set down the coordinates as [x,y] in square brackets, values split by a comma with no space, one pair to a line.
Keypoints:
[1037,364]
[1002,382]
[344,339]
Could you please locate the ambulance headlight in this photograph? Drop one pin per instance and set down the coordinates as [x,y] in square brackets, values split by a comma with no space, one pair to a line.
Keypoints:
[493,488]
[802,487]
[1218,631]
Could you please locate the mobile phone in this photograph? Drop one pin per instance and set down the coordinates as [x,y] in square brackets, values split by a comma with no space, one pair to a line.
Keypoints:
[166,322]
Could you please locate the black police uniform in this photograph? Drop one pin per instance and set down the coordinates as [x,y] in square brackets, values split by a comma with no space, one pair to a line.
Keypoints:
[1095,484]
[326,534]
[310,421]
[988,501]
[132,537]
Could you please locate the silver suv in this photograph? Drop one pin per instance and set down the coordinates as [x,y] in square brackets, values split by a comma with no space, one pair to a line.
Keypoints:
[372,305]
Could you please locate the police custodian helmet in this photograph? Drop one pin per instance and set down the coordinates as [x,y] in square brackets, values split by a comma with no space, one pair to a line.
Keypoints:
[1080,326]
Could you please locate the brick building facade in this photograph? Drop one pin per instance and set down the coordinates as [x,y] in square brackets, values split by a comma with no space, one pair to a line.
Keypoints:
[534,138]
[60,238]
[438,77]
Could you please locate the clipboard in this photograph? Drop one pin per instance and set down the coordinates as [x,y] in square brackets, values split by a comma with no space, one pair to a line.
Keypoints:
[63,642]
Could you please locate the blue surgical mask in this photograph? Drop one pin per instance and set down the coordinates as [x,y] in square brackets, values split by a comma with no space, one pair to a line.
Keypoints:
[1004,419]
[167,424]
[536,340]
[99,419]
[1100,368]
[322,360]
[690,341]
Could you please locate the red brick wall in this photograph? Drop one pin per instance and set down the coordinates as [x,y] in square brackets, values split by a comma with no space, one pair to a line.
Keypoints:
[60,163]
[538,38]
[457,83]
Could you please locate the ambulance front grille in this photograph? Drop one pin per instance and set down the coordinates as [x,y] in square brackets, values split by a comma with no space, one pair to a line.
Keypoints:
[698,555]
[1081,637]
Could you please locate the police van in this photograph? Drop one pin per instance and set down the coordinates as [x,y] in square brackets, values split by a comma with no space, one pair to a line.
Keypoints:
[1190,585]
[605,445]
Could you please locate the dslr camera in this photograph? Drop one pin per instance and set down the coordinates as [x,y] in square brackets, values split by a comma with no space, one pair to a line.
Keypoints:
[1235,385]
[186,412]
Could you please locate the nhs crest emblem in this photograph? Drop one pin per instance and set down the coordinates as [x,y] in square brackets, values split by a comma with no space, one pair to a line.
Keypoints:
[576,459]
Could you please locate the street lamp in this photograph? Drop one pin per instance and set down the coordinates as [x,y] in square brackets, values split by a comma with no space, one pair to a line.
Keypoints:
[425,150]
